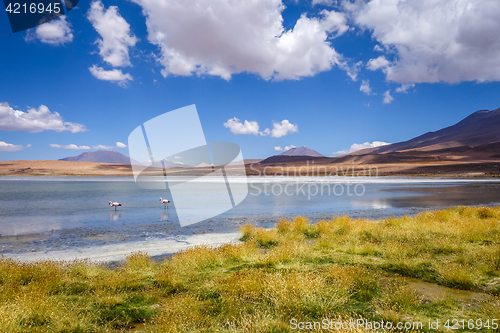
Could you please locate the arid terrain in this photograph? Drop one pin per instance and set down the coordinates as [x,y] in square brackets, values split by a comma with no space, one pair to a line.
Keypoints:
[63,168]
[303,167]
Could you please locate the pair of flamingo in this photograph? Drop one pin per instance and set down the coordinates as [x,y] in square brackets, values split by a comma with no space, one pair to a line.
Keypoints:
[117,204]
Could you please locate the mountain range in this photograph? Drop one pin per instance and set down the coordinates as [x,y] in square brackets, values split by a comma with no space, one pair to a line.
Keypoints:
[475,138]
[480,128]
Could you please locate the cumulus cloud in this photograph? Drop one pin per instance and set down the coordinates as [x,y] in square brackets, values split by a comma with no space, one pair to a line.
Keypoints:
[265,132]
[387,97]
[436,40]
[71,146]
[377,63]
[116,37]
[102,147]
[4,146]
[278,148]
[365,87]
[324,2]
[222,38]
[114,75]
[283,128]
[35,120]
[237,127]
[404,87]
[252,127]
[359,146]
[55,32]
[121,145]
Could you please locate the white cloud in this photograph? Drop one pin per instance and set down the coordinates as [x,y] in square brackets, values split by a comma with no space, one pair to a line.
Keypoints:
[252,127]
[222,38]
[378,48]
[324,2]
[351,70]
[278,148]
[283,128]
[387,97]
[177,157]
[121,145]
[114,75]
[265,132]
[359,146]
[377,63]
[35,120]
[365,87]
[436,40]
[116,37]
[102,147]
[4,146]
[71,146]
[55,32]
[404,87]
[237,127]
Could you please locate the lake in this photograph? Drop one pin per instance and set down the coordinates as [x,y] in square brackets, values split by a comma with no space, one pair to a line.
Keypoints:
[56,213]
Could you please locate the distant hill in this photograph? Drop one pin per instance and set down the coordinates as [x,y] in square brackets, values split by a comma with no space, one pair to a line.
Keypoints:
[293,155]
[301,151]
[480,128]
[101,156]
[111,156]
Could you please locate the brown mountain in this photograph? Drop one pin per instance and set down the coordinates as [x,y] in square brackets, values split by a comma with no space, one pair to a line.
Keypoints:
[480,128]
[469,148]
[101,156]
[301,151]
[293,155]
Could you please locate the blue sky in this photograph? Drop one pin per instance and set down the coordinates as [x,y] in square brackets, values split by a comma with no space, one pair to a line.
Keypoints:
[105,73]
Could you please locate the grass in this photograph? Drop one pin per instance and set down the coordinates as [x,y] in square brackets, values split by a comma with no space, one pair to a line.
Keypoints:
[342,268]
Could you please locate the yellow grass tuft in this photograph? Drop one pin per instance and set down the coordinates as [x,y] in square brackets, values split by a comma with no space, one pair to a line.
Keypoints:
[339,268]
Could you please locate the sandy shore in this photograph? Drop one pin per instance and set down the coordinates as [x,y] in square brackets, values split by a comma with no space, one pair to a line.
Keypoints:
[118,251]
[106,244]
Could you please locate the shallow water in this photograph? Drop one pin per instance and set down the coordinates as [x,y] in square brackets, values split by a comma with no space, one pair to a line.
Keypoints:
[43,204]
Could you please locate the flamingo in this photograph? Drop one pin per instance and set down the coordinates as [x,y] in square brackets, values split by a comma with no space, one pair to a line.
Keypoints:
[114,204]
[164,202]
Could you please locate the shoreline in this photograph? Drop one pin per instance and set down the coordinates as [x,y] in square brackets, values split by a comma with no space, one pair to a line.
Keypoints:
[154,247]
[470,176]
[487,168]
[365,267]
[106,244]
[159,240]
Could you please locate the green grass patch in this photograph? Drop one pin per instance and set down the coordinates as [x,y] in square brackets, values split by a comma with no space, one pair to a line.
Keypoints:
[339,268]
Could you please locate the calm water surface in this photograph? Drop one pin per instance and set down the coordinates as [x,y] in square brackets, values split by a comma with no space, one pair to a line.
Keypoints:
[37,205]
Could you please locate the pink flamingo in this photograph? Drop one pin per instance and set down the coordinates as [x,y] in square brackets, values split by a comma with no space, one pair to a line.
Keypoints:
[164,202]
[114,204]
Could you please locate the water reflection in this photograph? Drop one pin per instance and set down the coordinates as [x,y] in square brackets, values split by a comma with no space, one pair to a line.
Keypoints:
[114,216]
[51,203]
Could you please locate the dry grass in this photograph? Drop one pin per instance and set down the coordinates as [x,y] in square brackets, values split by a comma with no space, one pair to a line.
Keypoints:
[341,268]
